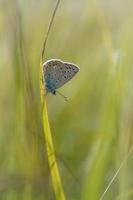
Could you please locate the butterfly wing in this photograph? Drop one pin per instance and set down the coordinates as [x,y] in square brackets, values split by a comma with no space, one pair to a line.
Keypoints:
[67,71]
[57,73]
[49,75]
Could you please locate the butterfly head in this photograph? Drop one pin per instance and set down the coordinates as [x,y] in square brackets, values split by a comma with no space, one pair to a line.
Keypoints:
[54,92]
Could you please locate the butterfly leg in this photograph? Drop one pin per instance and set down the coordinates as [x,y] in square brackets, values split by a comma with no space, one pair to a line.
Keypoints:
[66,99]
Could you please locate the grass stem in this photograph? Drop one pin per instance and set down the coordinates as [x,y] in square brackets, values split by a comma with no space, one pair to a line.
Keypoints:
[55,175]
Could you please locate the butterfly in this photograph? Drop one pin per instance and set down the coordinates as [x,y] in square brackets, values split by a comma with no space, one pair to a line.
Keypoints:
[56,73]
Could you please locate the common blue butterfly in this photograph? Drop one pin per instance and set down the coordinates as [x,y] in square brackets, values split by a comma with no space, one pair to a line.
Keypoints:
[56,73]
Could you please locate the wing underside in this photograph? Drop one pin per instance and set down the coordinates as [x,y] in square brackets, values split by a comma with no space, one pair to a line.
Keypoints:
[58,73]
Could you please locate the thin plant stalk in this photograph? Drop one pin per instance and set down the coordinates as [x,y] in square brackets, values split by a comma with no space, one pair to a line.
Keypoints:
[116,173]
[55,175]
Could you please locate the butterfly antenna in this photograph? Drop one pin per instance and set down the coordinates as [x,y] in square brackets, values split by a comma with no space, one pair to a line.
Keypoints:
[66,99]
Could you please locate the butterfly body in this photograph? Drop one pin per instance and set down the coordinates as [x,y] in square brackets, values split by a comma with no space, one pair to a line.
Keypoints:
[56,73]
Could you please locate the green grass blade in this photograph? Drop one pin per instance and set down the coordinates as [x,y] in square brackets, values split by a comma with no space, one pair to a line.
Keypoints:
[56,180]
[55,175]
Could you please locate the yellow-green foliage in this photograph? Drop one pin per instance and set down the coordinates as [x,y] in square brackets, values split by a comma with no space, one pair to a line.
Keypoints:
[92,132]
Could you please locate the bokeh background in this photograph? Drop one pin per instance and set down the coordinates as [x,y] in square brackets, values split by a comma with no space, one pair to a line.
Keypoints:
[92,133]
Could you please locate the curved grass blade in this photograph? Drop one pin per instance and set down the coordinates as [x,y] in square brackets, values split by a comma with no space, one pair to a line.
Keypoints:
[55,175]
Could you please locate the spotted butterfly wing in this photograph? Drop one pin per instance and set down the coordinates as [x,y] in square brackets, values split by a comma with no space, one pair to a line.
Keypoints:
[56,73]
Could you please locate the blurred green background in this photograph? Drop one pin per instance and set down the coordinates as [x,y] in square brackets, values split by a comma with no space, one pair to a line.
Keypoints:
[92,133]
